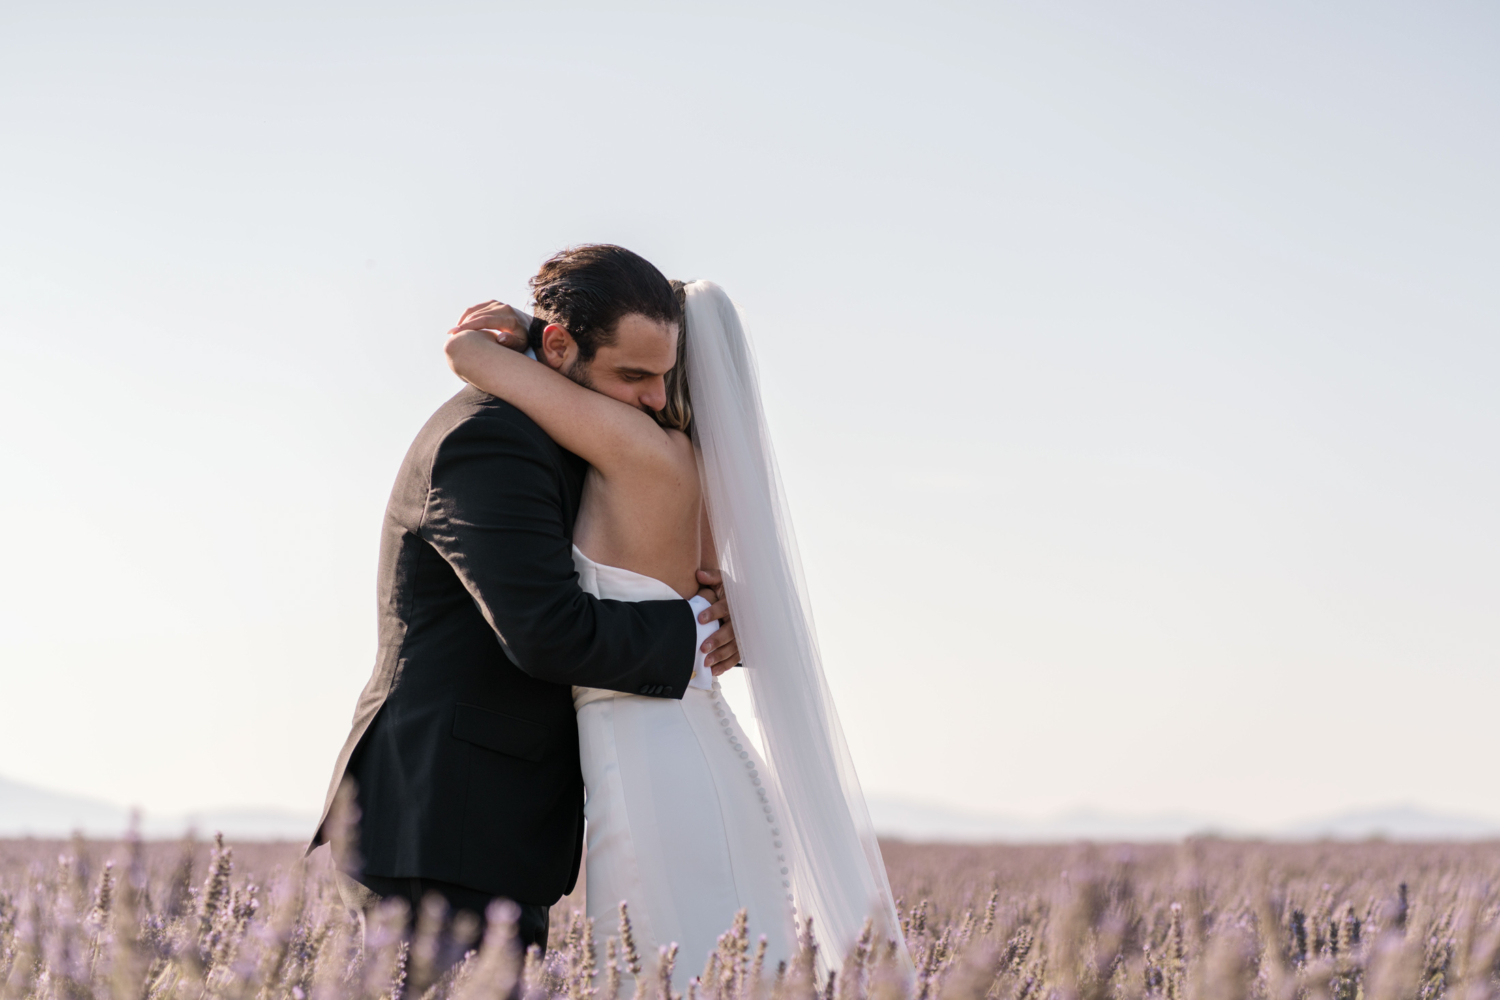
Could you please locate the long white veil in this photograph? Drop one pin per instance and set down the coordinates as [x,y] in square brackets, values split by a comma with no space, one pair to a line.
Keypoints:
[838,877]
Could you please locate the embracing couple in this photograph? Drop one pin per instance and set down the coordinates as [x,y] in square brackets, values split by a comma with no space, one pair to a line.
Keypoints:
[561,552]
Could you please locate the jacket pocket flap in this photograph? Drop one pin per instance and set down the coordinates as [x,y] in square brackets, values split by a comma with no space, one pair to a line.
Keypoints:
[501,733]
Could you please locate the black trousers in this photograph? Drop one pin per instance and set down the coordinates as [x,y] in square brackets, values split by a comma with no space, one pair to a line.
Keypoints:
[368,891]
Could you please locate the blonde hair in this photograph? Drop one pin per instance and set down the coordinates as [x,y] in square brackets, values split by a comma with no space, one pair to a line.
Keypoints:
[678,413]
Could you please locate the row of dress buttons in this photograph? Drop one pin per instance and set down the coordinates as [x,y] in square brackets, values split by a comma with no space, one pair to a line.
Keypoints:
[765,805]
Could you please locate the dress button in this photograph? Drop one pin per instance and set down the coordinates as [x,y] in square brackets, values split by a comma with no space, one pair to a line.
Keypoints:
[778,843]
[783,871]
[744,755]
[786,885]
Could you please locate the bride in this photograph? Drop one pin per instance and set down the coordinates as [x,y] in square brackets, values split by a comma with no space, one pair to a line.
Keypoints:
[686,821]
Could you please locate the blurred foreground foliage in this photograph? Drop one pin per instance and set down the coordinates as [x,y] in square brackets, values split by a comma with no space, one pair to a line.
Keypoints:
[1205,920]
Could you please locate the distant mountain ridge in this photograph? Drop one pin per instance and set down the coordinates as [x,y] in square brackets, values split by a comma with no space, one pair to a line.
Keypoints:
[910,820]
[1399,822]
[27,811]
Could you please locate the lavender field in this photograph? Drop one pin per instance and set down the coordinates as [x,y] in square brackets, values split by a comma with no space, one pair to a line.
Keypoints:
[1206,919]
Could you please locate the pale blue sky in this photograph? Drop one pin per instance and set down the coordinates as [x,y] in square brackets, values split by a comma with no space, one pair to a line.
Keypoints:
[1133,368]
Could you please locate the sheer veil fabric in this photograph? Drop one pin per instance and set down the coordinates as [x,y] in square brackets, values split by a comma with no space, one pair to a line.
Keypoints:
[837,875]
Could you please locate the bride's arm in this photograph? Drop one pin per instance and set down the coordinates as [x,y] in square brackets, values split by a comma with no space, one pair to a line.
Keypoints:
[608,434]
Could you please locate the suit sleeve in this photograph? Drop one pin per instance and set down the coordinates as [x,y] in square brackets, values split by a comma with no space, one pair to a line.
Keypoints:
[495,513]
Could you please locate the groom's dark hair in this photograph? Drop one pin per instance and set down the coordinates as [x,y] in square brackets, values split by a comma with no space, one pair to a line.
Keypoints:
[589,288]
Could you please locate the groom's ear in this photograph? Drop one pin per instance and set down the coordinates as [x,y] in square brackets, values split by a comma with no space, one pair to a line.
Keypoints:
[558,347]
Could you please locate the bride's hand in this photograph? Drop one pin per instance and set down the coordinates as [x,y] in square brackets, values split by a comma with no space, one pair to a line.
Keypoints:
[496,319]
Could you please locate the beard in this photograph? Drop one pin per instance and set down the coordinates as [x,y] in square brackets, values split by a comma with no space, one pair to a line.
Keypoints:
[578,372]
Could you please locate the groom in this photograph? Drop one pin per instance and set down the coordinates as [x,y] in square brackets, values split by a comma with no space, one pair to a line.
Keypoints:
[464,750]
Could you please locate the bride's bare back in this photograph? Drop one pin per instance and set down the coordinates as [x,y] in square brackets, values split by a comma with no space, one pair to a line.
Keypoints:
[642,507]
[647,519]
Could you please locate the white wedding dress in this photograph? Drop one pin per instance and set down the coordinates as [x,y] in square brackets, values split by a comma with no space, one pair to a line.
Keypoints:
[682,821]
[686,821]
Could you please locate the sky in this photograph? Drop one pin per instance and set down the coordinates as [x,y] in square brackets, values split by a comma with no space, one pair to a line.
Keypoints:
[1132,368]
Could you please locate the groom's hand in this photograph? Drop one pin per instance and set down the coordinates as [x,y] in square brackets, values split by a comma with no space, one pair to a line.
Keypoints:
[497,318]
[723,652]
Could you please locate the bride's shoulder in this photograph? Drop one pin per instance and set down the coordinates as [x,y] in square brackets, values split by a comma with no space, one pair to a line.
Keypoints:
[672,454]
[680,447]
[646,454]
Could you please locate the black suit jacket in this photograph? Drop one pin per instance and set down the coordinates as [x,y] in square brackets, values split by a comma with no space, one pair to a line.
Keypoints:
[464,747]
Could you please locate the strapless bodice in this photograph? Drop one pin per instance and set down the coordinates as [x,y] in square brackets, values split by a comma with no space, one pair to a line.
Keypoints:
[612,583]
[615,584]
